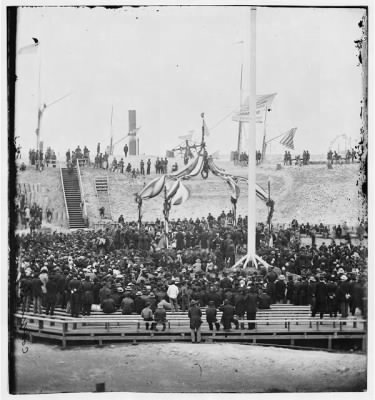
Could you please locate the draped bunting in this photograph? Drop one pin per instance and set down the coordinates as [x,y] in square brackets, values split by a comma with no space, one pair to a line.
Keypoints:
[153,188]
[177,193]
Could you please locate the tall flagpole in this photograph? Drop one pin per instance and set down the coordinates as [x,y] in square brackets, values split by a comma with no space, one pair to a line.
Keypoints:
[240,123]
[252,141]
[111,135]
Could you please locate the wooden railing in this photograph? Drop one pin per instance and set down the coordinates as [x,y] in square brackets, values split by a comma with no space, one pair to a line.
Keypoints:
[84,208]
[62,184]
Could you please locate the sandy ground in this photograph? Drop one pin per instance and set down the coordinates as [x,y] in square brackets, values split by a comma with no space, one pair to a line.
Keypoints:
[185,367]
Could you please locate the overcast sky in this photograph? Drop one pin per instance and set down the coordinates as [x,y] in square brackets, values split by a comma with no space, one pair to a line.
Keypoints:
[172,63]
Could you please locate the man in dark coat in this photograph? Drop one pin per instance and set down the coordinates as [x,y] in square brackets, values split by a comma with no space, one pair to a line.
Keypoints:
[331,297]
[264,301]
[211,314]
[139,303]
[108,305]
[343,295]
[251,300]
[280,289]
[227,317]
[27,292]
[51,295]
[321,297]
[195,315]
[87,296]
[357,293]
[74,287]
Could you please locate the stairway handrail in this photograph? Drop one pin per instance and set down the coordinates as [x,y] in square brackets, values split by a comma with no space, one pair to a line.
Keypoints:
[82,191]
[63,188]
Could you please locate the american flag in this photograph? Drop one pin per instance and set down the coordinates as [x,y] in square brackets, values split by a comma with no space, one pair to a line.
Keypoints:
[287,139]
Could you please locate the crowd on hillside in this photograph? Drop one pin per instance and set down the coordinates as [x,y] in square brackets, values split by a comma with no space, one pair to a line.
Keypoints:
[30,216]
[107,162]
[130,269]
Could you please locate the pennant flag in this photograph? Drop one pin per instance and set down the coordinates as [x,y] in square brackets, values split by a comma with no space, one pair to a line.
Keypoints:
[152,189]
[182,194]
[263,103]
[29,49]
[189,136]
[287,139]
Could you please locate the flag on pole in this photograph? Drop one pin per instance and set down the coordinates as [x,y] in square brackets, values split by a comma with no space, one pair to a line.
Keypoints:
[264,101]
[287,139]
[29,49]
[189,136]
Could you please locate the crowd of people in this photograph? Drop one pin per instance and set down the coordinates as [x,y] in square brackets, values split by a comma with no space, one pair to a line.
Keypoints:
[242,158]
[31,217]
[130,269]
[304,160]
[40,160]
[107,162]
[335,157]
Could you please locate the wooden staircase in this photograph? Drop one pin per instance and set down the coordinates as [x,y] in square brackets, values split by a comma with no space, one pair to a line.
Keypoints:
[101,187]
[72,194]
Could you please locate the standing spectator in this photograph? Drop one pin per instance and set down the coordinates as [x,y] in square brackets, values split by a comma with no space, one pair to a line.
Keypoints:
[51,295]
[126,149]
[321,296]
[211,313]
[195,315]
[148,167]
[251,300]
[280,290]
[87,295]
[36,285]
[227,317]
[172,293]
[74,287]
[101,212]
[142,165]
[343,296]
[27,291]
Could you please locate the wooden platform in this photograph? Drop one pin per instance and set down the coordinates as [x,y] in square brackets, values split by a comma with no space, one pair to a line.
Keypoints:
[282,324]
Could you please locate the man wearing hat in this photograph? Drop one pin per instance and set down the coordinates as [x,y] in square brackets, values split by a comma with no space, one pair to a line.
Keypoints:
[195,315]
[343,295]
[139,302]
